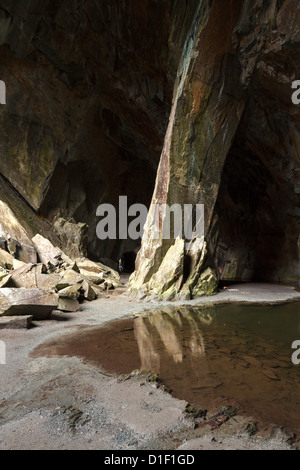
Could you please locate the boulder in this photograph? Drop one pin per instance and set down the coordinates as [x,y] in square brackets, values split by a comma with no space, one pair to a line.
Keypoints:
[92,277]
[31,276]
[69,278]
[15,323]
[46,251]
[3,272]
[91,266]
[68,305]
[167,281]
[97,271]
[88,292]
[4,281]
[45,281]
[72,292]
[16,237]
[13,247]
[97,290]
[18,264]
[73,237]
[22,301]
[109,284]
[3,243]
[73,267]
[6,259]
[24,276]
[67,260]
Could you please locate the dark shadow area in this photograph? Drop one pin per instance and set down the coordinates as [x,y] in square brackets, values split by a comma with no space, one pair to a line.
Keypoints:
[60,317]
[128,262]
[258,202]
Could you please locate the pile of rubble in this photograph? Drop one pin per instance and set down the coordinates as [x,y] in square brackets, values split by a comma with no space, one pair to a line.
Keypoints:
[53,282]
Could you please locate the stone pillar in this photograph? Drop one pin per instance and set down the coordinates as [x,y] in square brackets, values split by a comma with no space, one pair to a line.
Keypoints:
[207,107]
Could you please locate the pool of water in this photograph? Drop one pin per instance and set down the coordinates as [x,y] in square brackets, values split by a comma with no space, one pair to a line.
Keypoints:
[234,353]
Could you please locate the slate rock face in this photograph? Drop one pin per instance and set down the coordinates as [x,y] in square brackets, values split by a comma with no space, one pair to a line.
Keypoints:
[73,236]
[190,98]
[89,89]
[16,238]
[35,302]
[258,201]
[230,145]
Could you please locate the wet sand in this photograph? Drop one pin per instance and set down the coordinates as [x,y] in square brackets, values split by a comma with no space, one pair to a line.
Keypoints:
[68,403]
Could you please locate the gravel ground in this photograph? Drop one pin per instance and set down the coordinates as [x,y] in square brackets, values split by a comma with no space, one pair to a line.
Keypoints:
[64,403]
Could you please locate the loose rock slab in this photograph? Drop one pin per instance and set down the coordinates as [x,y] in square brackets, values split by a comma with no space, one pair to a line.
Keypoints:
[5,280]
[34,276]
[6,259]
[15,235]
[46,251]
[68,305]
[22,301]
[16,323]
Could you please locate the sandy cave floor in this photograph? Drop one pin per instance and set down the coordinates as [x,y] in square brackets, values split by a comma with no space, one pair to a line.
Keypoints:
[64,403]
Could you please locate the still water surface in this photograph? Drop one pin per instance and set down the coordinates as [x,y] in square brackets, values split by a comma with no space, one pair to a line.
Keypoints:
[234,353]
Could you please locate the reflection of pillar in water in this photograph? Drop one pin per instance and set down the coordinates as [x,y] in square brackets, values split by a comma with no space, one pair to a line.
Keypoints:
[150,359]
[167,331]
[195,340]
[170,334]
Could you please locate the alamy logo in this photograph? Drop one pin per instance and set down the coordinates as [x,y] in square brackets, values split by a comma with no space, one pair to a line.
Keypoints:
[173,222]
[296,355]
[2,353]
[2,92]
[296,94]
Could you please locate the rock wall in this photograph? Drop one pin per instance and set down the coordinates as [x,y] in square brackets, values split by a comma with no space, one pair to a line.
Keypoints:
[92,113]
[89,89]
[232,145]
[258,202]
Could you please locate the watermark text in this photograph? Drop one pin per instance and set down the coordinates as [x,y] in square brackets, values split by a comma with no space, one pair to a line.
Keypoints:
[296,94]
[2,92]
[165,222]
[2,353]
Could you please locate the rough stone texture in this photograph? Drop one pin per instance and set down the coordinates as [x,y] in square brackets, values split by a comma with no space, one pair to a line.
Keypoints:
[88,291]
[169,277]
[258,202]
[97,272]
[4,280]
[31,276]
[16,323]
[73,237]
[167,281]
[89,89]
[207,107]
[17,238]
[68,305]
[72,292]
[6,259]
[231,145]
[46,251]
[35,302]
[89,94]
[65,277]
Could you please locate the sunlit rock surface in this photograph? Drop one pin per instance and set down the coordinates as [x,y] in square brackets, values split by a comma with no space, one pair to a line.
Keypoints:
[231,145]
[190,98]
[89,91]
